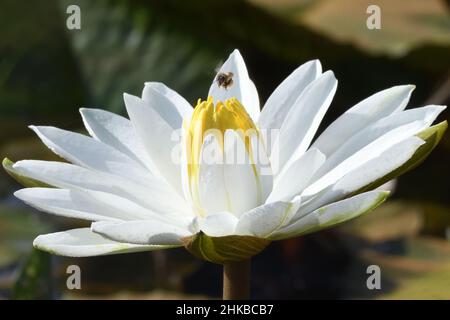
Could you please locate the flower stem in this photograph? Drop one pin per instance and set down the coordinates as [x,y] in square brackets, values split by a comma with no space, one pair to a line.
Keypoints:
[236,280]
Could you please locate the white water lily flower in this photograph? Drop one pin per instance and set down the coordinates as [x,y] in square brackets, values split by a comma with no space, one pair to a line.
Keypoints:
[144,189]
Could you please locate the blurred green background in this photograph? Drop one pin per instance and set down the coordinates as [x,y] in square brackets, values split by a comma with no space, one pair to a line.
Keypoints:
[47,72]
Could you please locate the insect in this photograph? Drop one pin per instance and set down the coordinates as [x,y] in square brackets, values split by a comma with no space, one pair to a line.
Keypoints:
[224,79]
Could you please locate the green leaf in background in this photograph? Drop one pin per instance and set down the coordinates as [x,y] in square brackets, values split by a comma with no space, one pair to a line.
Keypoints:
[39,77]
[406,24]
[123,44]
[17,231]
[34,281]
[18,228]
[224,249]
[27,182]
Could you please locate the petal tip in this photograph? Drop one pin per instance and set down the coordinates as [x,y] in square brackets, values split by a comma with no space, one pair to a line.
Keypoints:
[7,163]
[153,83]
[37,242]
[316,63]
[39,129]
[329,73]
[21,193]
[130,99]
[127,96]
[236,52]
[407,88]
[40,243]
[236,56]
[83,111]
[382,196]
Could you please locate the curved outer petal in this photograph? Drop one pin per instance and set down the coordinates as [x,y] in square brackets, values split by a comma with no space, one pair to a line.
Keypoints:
[369,110]
[218,225]
[90,153]
[332,214]
[88,205]
[304,118]
[431,137]
[296,176]
[242,88]
[358,157]
[157,197]
[183,107]
[283,97]
[117,132]
[426,115]
[141,232]
[371,141]
[84,243]
[364,174]
[157,122]
[264,220]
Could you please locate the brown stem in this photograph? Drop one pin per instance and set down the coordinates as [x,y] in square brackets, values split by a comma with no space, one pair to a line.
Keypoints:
[236,280]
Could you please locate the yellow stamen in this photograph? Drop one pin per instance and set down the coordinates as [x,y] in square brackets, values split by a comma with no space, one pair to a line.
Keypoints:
[210,118]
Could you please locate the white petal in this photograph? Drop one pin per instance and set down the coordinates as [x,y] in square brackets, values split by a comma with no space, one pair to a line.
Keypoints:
[67,203]
[304,118]
[337,166]
[141,232]
[364,174]
[157,122]
[184,108]
[263,167]
[184,166]
[115,131]
[371,109]
[87,205]
[242,88]
[243,188]
[84,243]
[158,196]
[373,140]
[264,220]
[283,98]
[218,225]
[332,214]
[234,182]
[90,153]
[296,175]
[211,185]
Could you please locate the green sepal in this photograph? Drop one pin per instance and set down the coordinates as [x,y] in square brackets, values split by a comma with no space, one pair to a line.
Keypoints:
[27,182]
[225,249]
[431,136]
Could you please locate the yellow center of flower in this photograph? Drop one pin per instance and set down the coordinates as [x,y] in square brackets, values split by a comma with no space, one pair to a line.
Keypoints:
[209,118]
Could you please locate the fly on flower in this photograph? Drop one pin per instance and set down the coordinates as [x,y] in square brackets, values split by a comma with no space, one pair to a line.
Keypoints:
[123,177]
[225,79]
